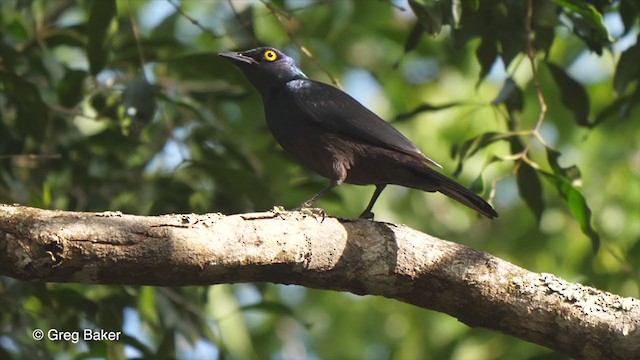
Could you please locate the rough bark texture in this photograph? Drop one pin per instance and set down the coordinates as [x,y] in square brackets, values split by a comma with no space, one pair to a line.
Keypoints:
[359,256]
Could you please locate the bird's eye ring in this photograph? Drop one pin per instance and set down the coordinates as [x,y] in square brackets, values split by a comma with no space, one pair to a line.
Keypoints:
[270,55]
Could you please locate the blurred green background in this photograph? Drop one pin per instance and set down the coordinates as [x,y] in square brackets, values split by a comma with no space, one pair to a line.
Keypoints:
[124,106]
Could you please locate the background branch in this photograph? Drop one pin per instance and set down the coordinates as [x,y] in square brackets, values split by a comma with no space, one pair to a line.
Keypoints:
[359,256]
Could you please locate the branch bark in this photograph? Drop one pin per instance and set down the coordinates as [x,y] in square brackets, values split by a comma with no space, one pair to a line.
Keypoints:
[359,256]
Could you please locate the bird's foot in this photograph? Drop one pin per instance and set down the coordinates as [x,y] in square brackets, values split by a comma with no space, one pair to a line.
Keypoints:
[367,215]
[315,212]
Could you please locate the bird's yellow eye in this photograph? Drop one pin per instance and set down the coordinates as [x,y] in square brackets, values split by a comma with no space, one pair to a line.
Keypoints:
[270,55]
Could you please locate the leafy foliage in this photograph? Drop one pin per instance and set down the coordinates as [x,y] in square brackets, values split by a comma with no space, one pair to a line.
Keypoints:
[124,105]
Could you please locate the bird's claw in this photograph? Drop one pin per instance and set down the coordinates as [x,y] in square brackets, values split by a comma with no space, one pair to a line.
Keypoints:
[315,212]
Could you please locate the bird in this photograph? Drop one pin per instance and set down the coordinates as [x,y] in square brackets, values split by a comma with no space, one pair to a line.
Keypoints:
[332,134]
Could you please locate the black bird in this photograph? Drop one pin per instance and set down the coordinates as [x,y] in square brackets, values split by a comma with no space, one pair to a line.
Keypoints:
[334,135]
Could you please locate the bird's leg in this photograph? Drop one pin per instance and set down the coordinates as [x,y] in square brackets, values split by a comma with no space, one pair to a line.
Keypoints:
[306,206]
[367,214]
[309,203]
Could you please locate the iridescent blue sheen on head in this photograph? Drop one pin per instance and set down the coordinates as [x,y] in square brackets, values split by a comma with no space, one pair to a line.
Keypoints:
[266,67]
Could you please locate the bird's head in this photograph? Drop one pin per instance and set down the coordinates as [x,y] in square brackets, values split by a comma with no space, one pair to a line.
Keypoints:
[265,67]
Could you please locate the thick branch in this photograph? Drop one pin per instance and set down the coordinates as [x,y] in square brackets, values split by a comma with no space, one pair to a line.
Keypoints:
[359,256]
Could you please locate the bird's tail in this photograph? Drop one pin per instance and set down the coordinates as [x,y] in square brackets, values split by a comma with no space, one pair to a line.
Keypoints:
[459,193]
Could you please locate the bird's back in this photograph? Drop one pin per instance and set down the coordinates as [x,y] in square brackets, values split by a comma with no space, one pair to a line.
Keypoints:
[338,112]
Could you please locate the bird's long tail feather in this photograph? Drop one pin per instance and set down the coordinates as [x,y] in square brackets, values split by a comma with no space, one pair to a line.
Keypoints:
[459,193]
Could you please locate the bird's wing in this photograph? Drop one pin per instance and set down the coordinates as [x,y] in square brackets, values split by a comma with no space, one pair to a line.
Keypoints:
[338,112]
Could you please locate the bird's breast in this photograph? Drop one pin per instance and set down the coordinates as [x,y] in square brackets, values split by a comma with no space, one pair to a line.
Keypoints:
[311,145]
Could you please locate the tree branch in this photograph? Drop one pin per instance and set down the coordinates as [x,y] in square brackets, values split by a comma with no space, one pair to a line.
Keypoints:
[359,256]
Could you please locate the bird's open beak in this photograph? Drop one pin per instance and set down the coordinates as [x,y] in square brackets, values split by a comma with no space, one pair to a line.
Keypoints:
[237,57]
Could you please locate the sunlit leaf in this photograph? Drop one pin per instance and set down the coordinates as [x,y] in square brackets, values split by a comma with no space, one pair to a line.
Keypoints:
[588,11]
[571,173]
[477,185]
[577,206]
[223,306]
[473,145]
[275,308]
[147,305]
[589,25]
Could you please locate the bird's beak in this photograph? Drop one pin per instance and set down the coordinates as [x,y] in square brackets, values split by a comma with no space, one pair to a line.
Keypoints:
[237,58]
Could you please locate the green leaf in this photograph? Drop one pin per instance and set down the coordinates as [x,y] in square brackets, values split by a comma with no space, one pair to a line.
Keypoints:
[621,108]
[101,14]
[414,37]
[545,22]
[147,305]
[577,206]
[272,307]
[570,174]
[166,29]
[544,39]
[628,68]
[629,10]
[424,108]
[589,25]
[147,353]
[471,146]
[138,100]
[167,347]
[431,16]
[10,56]
[32,113]
[511,95]
[70,36]
[510,41]
[70,88]
[530,189]
[477,185]
[573,94]
[486,53]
